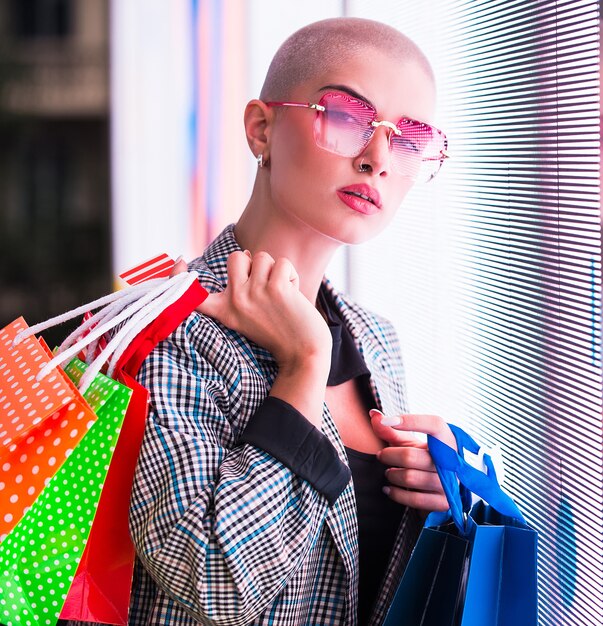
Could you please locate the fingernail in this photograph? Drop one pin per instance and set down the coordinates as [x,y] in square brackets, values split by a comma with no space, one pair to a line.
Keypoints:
[247,253]
[386,490]
[178,260]
[391,420]
[375,412]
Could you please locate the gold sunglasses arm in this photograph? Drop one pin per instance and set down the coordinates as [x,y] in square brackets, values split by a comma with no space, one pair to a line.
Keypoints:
[304,105]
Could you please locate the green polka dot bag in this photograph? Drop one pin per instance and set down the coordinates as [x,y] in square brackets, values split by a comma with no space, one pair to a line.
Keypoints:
[40,556]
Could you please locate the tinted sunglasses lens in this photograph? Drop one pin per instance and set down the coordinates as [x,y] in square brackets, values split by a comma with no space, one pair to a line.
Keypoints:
[344,127]
[416,152]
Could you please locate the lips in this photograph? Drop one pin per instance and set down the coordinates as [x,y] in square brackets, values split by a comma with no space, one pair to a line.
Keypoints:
[362,198]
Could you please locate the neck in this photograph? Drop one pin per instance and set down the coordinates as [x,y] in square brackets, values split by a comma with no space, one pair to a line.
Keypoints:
[262,228]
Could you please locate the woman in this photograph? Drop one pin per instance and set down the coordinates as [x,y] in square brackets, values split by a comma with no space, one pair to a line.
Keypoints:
[245,509]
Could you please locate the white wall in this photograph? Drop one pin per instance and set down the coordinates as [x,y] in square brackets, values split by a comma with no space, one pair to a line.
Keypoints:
[150,100]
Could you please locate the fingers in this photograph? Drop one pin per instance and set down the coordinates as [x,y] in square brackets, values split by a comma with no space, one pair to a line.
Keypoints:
[428,424]
[283,272]
[238,266]
[421,500]
[412,477]
[179,267]
[249,278]
[391,435]
[214,306]
[410,457]
[260,269]
[398,429]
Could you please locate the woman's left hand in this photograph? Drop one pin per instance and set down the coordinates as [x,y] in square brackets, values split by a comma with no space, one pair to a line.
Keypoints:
[413,479]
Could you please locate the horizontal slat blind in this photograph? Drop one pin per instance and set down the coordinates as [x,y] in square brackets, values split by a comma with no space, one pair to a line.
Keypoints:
[508,245]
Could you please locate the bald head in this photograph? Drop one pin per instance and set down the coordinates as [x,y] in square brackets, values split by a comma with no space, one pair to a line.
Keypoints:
[320,46]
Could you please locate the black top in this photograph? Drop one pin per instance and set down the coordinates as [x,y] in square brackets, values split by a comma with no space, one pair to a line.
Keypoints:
[378,516]
[378,522]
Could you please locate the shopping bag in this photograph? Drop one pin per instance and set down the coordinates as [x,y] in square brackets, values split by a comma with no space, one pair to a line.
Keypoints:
[100,591]
[474,565]
[159,266]
[39,557]
[40,422]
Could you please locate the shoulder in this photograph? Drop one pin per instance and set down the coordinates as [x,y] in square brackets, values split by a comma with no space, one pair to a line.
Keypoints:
[212,351]
[207,335]
[202,343]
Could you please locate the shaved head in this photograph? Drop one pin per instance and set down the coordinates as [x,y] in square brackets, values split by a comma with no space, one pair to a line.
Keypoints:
[321,46]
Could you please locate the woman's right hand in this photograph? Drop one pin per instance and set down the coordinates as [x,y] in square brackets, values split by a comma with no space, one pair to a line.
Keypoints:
[263,302]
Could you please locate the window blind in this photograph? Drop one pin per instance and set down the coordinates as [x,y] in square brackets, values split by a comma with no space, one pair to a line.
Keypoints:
[494,272]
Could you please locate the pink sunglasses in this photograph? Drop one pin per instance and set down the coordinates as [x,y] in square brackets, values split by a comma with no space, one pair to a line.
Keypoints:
[344,125]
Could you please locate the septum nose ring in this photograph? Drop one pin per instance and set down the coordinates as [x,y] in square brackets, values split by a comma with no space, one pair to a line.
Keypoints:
[362,167]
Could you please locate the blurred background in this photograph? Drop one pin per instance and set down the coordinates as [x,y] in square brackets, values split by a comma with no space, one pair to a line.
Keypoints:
[55,196]
[121,137]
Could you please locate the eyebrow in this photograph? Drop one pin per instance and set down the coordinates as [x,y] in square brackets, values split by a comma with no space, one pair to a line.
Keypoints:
[349,91]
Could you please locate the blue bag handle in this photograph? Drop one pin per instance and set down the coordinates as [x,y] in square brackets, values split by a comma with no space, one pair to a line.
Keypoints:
[460,480]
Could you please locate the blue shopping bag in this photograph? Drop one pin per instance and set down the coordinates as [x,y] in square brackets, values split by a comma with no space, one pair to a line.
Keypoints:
[473,565]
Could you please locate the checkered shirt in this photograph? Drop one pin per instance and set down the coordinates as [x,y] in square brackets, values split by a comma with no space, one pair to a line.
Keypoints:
[225,534]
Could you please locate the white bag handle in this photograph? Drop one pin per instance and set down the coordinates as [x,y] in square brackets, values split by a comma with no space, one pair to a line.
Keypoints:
[143,317]
[69,353]
[135,302]
[128,334]
[59,319]
[101,316]
[137,305]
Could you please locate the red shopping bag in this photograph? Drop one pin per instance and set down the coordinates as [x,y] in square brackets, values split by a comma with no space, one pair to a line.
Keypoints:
[100,591]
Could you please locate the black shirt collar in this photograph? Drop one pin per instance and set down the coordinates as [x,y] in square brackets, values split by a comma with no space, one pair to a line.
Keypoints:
[346,360]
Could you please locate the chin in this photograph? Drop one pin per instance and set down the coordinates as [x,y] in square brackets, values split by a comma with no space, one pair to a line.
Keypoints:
[357,236]
[365,230]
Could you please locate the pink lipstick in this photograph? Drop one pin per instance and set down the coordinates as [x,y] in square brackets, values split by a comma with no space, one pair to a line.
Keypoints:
[361,198]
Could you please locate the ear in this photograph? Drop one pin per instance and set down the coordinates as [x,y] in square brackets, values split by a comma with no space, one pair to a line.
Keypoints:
[258,125]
